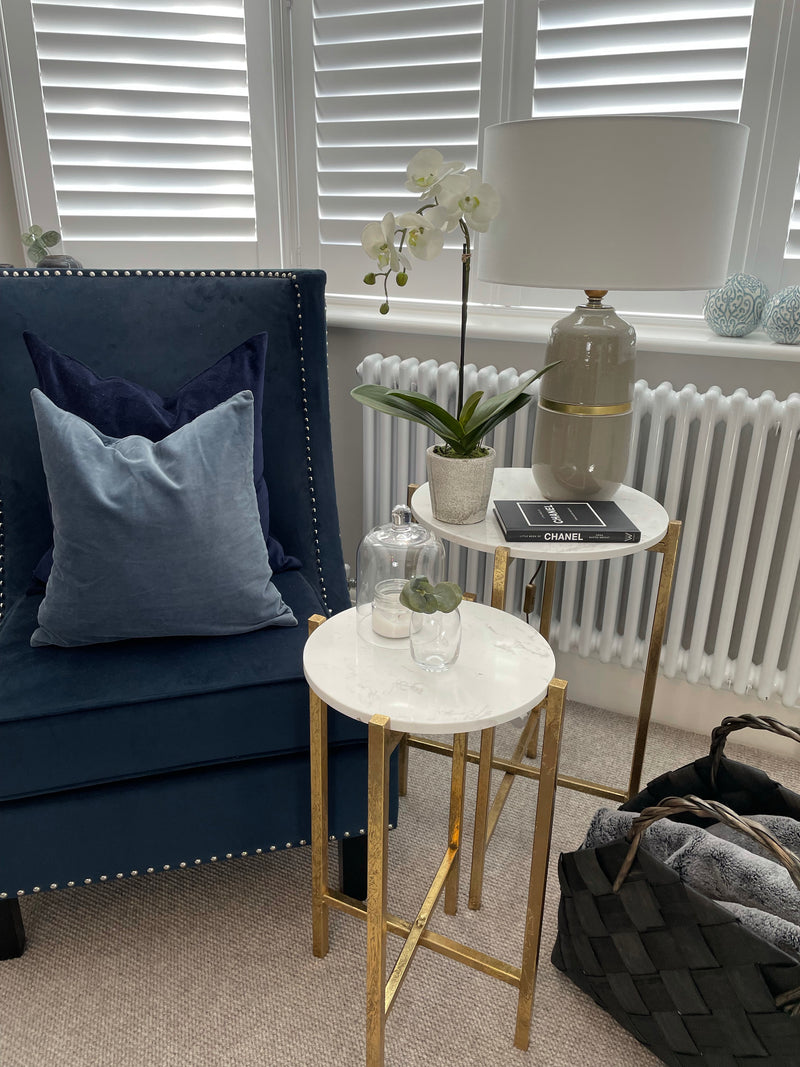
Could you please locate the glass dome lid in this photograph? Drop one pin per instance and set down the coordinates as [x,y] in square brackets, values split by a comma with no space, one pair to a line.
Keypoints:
[387,557]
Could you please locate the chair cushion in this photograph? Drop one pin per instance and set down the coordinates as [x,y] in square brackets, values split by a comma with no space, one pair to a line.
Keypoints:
[102,713]
[119,408]
[154,539]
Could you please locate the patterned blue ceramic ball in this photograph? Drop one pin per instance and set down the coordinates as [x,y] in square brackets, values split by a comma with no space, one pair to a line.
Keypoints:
[735,309]
[782,316]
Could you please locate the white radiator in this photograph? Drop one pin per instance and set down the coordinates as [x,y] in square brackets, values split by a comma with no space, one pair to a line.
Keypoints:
[727,466]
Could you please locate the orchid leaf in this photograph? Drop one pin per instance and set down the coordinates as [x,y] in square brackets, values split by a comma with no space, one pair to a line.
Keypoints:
[390,402]
[469,406]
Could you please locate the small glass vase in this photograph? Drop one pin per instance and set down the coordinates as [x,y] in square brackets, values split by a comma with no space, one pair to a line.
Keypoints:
[435,639]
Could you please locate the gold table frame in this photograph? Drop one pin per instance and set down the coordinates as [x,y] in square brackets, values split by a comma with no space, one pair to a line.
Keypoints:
[381,993]
[487,814]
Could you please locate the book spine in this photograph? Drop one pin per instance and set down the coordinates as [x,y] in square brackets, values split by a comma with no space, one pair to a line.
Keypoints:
[576,537]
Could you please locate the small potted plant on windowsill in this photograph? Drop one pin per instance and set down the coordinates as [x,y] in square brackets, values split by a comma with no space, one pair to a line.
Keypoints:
[460,468]
[38,243]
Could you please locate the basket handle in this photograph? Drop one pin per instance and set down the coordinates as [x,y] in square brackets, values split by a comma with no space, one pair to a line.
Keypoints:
[709,809]
[732,723]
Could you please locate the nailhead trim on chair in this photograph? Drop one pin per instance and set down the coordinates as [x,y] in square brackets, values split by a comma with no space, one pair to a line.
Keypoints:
[167,867]
[309,464]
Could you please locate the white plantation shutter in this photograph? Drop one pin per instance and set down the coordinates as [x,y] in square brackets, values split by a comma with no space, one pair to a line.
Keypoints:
[390,79]
[677,57]
[147,120]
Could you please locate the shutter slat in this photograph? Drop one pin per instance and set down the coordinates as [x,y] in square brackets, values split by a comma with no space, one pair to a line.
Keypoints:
[665,36]
[385,162]
[61,100]
[393,106]
[415,133]
[119,21]
[145,131]
[150,228]
[401,26]
[160,154]
[424,79]
[555,13]
[644,67]
[146,205]
[616,99]
[85,47]
[460,48]
[134,76]
[164,179]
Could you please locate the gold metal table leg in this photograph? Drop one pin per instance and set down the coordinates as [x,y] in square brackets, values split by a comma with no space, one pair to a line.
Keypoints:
[668,546]
[380,749]
[319,813]
[402,766]
[548,594]
[479,840]
[458,776]
[545,806]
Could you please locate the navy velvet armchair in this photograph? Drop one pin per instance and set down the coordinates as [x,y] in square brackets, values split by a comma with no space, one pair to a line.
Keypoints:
[135,756]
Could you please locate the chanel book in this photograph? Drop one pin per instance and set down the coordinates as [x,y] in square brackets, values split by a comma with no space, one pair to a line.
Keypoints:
[567,521]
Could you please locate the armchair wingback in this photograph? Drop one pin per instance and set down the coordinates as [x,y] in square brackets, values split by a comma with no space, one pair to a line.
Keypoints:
[136,756]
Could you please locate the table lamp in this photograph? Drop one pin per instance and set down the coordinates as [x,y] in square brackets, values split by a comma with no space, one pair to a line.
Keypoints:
[604,203]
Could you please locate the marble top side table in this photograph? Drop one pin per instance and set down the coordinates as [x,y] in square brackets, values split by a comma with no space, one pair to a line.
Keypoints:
[504,667]
[659,534]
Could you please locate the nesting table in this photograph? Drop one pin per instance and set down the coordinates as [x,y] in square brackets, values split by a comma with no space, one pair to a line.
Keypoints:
[505,667]
[659,534]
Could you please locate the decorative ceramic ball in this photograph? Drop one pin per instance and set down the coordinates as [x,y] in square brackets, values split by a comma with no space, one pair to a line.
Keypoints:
[735,309]
[782,316]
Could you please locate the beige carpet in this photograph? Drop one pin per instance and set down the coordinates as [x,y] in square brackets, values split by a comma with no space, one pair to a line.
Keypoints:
[213,965]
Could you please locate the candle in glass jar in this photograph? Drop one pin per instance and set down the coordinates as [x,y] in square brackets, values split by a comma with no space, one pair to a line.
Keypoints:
[389,617]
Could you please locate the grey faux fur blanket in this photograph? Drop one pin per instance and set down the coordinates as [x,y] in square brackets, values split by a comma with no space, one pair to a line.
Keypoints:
[724,865]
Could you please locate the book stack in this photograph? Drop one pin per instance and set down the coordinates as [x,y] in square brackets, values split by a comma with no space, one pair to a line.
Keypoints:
[565,521]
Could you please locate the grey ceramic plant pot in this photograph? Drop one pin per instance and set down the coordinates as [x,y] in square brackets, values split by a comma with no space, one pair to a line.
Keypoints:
[460,488]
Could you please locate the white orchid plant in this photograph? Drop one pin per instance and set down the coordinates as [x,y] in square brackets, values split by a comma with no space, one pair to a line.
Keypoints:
[454,197]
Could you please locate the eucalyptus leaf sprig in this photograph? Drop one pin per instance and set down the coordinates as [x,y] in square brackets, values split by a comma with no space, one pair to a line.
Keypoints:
[38,242]
[419,595]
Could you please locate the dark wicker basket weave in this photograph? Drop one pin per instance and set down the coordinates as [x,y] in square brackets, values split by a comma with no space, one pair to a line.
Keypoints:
[674,968]
[748,790]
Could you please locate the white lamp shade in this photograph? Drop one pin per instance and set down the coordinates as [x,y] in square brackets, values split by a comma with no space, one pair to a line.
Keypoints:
[612,202]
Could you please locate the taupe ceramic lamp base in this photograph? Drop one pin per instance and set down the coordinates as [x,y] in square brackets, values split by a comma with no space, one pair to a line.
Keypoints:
[585,413]
[604,203]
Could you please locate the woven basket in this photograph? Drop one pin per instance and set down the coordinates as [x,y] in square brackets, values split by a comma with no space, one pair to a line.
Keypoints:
[674,968]
[746,789]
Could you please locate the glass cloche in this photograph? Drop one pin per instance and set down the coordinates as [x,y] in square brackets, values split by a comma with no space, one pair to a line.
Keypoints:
[387,557]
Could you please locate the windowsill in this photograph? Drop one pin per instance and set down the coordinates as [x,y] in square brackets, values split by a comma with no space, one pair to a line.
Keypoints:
[683,335]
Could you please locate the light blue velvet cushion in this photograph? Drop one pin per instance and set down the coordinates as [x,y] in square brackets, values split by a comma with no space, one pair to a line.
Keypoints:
[154,539]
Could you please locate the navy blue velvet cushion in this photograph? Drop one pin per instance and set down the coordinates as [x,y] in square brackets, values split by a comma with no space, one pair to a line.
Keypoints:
[154,539]
[119,408]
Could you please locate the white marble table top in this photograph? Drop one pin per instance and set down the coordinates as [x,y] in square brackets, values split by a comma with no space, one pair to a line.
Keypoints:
[517,483]
[503,671]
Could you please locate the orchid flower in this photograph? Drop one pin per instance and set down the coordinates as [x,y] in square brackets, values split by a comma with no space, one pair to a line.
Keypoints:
[467,196]
[424,235]
[377,240]
[427,170]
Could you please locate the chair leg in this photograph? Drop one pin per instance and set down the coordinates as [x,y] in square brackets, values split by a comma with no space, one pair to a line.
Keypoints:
[353,866]
[12,931]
